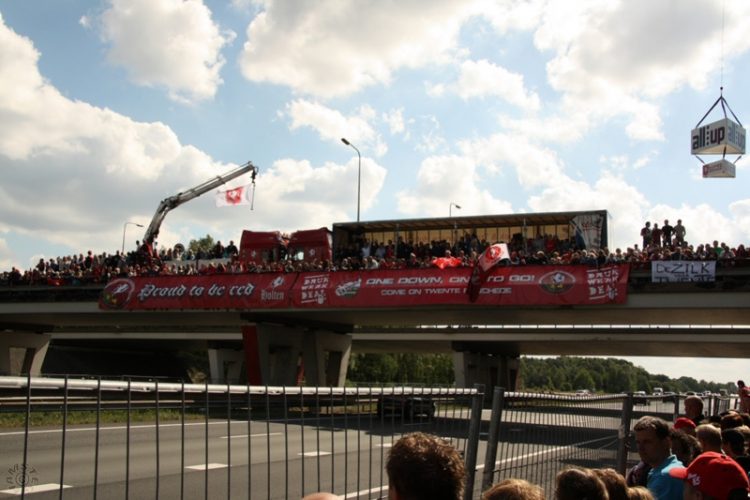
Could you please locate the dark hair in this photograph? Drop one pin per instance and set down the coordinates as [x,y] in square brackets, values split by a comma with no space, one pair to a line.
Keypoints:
[731,420]
[514,489]
[661,427]
[614,482]
[735,440]
[422,466]
[579,484]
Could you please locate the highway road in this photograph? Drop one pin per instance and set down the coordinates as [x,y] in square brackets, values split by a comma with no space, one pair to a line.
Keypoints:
[182,471]
[284,459]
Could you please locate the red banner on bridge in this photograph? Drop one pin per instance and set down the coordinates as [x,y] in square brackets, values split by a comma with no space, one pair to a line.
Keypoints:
[516,285]
[218,291]
[513,286]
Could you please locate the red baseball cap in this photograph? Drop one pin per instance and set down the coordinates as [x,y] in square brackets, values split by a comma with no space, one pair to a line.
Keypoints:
[684,423]
[713,474]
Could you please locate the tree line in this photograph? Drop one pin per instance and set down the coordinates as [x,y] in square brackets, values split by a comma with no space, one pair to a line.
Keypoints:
[564,373]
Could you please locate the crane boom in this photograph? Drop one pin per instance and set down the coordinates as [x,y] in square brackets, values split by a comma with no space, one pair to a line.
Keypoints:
[172,202]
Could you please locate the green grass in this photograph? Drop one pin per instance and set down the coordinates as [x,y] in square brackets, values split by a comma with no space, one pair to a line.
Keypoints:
[42,419]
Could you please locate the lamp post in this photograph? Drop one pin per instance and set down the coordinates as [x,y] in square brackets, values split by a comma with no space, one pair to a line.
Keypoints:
[124,227]
[359,172]
[450,214]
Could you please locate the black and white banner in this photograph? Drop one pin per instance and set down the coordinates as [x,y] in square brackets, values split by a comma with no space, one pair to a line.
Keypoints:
[681,271]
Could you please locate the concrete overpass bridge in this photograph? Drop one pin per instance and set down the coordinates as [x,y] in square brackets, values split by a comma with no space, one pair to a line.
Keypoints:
[707,319]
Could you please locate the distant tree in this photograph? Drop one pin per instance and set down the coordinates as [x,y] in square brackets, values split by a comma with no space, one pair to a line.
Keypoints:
[202,245]
[584,380]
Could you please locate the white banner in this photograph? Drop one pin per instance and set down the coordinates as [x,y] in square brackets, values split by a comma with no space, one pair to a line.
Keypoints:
[589,229]
[238,196]
[680,271]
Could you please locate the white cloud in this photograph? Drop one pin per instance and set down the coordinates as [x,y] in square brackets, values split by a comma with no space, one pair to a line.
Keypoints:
[395,120]
[335,48]
[484,79]
[292,187]
[166,43]
[73,173]
[332,125]
[617,58]
[445,179]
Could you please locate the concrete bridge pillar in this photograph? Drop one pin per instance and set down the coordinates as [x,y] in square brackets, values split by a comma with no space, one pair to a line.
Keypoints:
[280,355]
[22,353]
[225,365]
[326,358]
[491,370]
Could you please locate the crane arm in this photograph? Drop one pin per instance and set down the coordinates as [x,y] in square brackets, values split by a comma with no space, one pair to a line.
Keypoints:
[172,202]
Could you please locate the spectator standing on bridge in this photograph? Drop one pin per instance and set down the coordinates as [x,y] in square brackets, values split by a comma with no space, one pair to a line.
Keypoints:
[654,448]
[424,467]
[656,235]
[713,476]
[514,489]
[679,233]
[666,233]
[646,235]
[743,392]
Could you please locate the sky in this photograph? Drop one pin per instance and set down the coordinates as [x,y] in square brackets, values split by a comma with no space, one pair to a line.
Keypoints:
[507,106]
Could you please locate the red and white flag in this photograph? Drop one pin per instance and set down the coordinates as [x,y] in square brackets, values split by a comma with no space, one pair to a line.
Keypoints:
[238,196]
[489,259]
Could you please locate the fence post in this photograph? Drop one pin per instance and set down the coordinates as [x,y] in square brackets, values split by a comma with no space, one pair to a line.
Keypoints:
[472,443]
[676,407]
[498,398]
[624,433]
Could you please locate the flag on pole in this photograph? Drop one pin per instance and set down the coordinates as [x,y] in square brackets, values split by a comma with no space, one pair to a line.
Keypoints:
[238,196]
[489,259]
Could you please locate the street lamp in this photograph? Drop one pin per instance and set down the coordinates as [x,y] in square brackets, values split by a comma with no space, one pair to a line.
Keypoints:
[359,172]
[450,208]
[124,227]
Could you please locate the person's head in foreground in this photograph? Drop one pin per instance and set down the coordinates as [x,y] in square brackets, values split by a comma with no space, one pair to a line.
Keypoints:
[713,476]
[514,489]
[579,484]
[652,440]
[639,493]
[422,466]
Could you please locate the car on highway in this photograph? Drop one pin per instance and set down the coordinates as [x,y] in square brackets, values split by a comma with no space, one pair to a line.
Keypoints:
[406,407]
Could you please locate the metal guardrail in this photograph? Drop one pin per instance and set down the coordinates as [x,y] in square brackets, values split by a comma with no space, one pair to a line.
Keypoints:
[534,436]
[218,441]
[157,439]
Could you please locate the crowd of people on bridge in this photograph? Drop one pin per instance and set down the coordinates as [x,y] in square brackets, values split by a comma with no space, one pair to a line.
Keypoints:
[668,243]
[693,458]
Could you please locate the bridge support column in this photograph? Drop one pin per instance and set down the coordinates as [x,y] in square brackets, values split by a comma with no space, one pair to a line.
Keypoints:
[22,353]
[330,370]
[273,354]
[489,369]
[225,365]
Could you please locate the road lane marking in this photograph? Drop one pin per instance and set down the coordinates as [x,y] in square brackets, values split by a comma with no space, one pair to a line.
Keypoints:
[314,454]
[37,488]
[114,428]
[543,452]
[206,466]
[263,434]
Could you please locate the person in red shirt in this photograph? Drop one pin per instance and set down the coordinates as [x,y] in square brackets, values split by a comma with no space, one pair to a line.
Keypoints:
[743,392]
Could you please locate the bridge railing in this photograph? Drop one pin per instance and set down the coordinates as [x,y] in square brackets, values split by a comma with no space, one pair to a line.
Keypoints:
[80,438]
